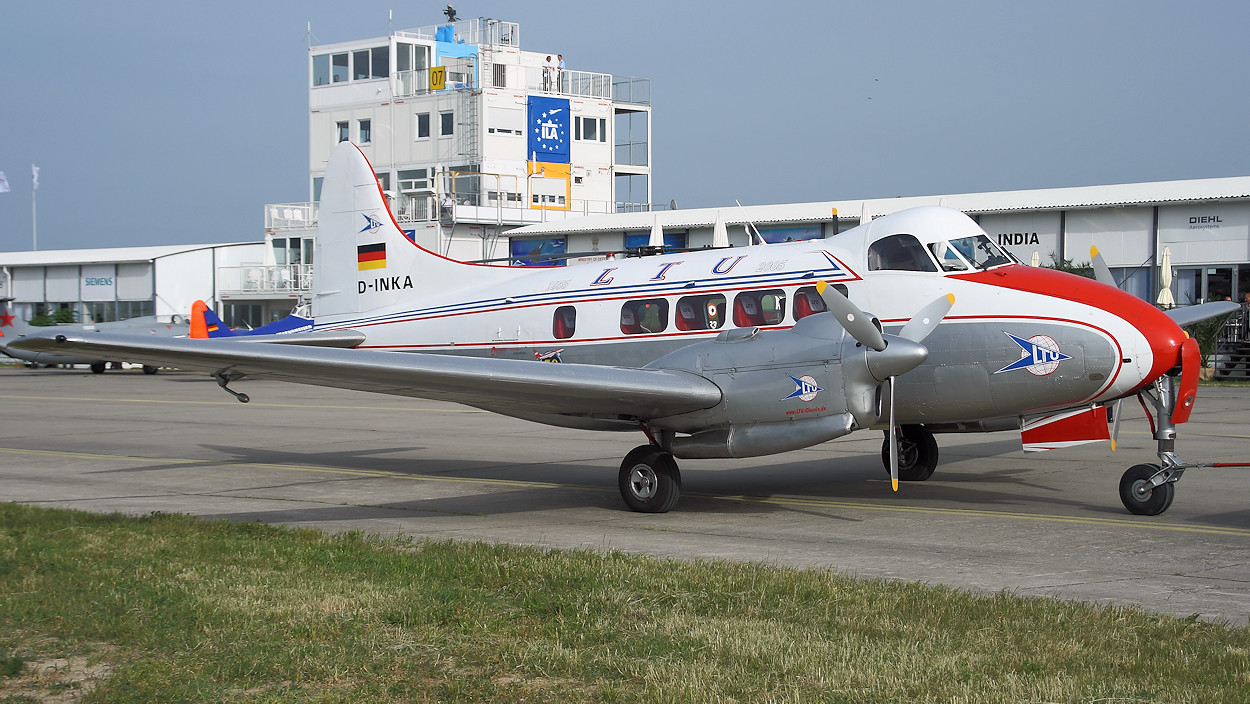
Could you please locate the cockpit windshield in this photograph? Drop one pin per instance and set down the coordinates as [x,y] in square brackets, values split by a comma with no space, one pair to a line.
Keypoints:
[979,251]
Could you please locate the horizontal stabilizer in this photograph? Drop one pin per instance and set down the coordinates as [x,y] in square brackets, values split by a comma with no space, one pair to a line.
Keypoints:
[1064,429]
[318,338]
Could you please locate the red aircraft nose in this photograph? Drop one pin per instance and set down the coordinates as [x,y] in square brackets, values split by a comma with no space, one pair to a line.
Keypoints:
[1164,336]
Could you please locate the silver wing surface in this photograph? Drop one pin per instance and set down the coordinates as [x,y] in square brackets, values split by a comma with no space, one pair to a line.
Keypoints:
[535,390]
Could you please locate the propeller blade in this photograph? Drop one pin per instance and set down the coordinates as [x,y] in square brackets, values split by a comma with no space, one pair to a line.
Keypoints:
[893,441]
[923,322]
[852,319]
[1203,311]
[1115,423]
[1101,271]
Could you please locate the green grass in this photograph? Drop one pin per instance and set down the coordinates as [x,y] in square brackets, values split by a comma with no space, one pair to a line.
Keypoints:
[171,608]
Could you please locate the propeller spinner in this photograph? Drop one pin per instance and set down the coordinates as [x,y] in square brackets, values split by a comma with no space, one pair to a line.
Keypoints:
[890,355]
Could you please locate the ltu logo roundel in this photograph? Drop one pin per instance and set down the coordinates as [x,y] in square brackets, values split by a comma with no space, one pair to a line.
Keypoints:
[1039,354]
[371,223]
[805,388]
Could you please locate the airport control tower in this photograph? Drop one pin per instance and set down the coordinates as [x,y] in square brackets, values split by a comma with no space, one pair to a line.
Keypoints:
[472,136]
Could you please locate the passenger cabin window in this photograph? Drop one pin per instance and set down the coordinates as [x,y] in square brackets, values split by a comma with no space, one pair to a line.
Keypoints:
[808,302]
[899,253]
[700,312]
[646,316]
[565,322]
[755,308]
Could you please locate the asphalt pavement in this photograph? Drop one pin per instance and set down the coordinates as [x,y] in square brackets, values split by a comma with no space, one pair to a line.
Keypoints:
[990,519]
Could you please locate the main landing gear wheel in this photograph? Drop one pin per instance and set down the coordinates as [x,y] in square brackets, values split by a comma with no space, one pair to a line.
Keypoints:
[149,369]
[98,367]
[917,453]
[1140,496]
[649,480]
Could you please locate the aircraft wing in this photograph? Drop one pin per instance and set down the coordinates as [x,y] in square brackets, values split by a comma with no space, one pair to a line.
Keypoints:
[522,387]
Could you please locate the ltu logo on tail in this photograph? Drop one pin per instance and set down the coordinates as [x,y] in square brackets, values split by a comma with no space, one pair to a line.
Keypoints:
[1039,354]
[371,223]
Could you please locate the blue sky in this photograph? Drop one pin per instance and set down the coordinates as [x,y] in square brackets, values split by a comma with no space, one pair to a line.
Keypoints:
[164,123]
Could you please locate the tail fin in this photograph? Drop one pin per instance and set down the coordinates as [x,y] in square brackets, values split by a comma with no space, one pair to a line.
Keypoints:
[365,263]
[206,324]
[11,325]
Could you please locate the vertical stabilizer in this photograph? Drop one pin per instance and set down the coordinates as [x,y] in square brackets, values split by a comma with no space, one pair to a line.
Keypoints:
[364,264]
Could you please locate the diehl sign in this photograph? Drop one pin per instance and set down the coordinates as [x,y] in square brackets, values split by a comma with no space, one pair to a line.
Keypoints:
[1012,238]
[1205,220]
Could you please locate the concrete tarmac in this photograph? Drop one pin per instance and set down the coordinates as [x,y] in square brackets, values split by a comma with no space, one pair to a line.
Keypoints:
[990,519]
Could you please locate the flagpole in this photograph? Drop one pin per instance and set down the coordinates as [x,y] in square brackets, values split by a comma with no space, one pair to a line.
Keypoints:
[34,186]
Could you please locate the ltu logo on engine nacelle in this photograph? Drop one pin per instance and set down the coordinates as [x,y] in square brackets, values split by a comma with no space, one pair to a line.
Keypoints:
[805,388]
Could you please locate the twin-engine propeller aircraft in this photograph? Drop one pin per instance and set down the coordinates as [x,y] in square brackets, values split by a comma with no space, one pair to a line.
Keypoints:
[726,352]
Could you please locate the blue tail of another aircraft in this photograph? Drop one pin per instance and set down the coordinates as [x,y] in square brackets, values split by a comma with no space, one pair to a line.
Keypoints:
[206,324]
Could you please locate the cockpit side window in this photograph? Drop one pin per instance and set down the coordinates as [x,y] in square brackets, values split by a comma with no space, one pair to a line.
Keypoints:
[981,251]
[947,256]
[899,253]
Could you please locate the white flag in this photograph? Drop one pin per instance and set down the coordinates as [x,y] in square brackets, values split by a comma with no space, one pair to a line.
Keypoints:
[4,183]
[34,177]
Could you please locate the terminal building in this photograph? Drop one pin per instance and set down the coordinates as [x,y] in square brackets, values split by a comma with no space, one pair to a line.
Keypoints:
[488,152]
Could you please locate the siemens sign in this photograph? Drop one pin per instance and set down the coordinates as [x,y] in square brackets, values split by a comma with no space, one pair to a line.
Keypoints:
[97,283]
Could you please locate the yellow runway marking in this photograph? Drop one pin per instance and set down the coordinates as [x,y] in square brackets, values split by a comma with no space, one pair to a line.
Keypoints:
[783,501]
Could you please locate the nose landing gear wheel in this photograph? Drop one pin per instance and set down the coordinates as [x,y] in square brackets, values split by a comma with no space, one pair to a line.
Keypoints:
[1140,496]
[649,480]
[917,454]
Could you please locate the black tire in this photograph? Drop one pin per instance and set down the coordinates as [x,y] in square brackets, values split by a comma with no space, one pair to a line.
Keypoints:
[98,367]
[1139,499]
[149,369]
[917,454]
[649,480]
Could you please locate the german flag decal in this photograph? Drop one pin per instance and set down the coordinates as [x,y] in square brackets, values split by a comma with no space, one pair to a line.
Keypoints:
[371,256]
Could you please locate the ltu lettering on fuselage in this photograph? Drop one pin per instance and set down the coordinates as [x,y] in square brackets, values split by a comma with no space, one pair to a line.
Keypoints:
[1010,238]
[389,283]
[724,266]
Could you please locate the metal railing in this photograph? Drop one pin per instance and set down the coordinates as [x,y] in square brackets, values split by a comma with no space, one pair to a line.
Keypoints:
[290,216]
[478,30]
[259,280]
[583,84]
[410,83]
[628,89]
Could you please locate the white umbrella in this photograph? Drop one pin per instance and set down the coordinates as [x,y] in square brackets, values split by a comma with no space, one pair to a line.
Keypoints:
[720,235]
[1036,259]
[1165,298]
[657,234]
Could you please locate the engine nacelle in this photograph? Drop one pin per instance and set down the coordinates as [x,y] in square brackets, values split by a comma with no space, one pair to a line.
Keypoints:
[782,390]
[761,438]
